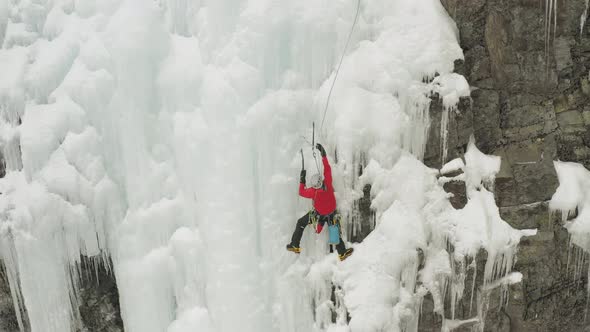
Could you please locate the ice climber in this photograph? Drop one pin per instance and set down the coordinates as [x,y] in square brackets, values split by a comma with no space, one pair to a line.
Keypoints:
[324,207]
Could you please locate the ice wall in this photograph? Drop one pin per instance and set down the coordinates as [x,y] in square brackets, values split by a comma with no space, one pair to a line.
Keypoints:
[165,136]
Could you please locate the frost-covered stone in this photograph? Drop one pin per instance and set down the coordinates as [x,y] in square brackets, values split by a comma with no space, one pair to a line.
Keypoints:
[515,114]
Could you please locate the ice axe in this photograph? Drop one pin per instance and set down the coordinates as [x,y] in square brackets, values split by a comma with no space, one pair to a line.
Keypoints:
[302,160]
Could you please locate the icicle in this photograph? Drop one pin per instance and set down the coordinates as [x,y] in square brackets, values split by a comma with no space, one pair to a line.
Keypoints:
[451,88]
[583,18]
[10,262]
[483,303]
[414,136]
[555,18]
[444,134]
[341,312]
[550,15]
[587,297]
[457,286]
[474,267]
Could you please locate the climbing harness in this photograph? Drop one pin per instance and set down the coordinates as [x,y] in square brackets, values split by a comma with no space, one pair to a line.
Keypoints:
[333,221]
[313,217]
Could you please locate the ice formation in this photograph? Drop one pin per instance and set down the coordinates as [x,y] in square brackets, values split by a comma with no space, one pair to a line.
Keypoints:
[450,87]
[584,17]
[550,24]
[164,135]
[572,199]
[414,213]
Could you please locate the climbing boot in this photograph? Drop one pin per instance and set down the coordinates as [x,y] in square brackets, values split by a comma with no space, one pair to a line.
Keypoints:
[347,253]
[293,248]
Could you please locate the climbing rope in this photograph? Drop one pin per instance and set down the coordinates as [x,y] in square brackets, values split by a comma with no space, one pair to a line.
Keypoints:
[356,15]
[358,7]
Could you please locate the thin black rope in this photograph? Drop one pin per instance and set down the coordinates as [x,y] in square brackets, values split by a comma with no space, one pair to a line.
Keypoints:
[358,7]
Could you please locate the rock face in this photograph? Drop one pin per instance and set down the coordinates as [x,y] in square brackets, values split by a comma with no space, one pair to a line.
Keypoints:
[98,301]
[8,321]
[530,105]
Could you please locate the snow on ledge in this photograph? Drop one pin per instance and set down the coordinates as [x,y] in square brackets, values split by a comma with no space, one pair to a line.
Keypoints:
[573,194]
[480,168]
[454,165]
[451,87]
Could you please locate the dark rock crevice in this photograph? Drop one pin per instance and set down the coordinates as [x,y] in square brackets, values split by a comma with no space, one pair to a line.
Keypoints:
[8,319]
[98,300]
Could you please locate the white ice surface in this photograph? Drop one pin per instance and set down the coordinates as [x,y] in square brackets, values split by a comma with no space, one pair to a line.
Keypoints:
[454,165]
[573,195]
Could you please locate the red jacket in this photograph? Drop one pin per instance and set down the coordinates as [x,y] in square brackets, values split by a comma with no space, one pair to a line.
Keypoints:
[324,201]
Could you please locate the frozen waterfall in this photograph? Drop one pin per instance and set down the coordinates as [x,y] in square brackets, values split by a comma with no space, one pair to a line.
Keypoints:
[164,136]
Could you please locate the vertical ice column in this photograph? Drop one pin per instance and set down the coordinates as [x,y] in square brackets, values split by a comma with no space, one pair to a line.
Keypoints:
[13,64]
[225,199]
[584,17]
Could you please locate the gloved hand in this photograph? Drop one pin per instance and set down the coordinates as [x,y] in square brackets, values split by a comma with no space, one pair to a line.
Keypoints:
[302,176]
[321,148]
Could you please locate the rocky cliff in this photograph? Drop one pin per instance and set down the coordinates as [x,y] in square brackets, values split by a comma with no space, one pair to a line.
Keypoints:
[528,65]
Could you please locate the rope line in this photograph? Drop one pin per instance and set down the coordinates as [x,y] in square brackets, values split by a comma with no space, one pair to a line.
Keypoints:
[358,7]
[356,16]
